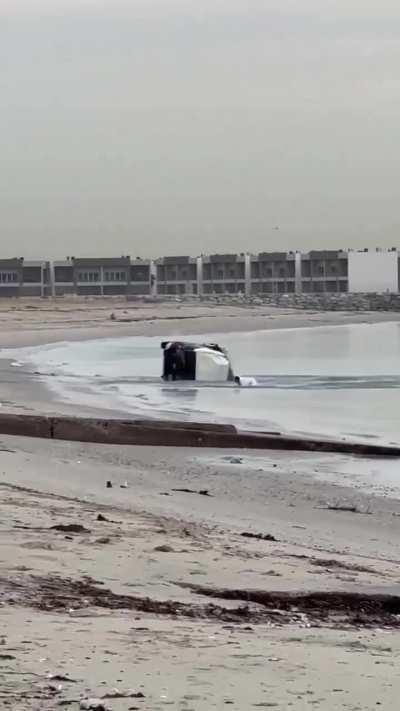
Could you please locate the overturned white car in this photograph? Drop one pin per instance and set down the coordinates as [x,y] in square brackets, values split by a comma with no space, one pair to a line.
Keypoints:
[203,362]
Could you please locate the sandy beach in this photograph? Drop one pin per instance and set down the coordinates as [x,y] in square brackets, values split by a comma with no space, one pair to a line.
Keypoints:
[30,322]
[145,594]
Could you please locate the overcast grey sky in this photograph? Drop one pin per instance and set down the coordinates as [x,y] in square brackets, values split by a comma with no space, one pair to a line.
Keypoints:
[154,127]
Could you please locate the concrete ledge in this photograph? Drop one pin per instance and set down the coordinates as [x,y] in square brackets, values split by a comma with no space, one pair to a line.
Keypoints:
[25,425]
[175,434]
[141,432]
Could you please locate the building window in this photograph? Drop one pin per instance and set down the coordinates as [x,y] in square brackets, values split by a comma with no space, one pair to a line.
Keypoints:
[255,270]
[63,275]
[266,287]
[88,276]
[8,277]
[114,276]
[207,272]
[318,287]
[331,286]
[230,288]
[32,275]
[140,274]
[171,275]
[192,272]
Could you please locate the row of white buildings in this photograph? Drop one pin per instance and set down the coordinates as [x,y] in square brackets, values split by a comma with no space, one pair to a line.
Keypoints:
[316,272]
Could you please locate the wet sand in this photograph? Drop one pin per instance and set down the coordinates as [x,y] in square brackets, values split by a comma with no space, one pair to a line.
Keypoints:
[122,607]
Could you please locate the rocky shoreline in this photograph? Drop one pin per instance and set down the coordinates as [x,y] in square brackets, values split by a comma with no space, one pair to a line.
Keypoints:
[316,302]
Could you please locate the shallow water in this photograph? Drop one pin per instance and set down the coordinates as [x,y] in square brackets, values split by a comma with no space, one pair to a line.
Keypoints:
[342,380]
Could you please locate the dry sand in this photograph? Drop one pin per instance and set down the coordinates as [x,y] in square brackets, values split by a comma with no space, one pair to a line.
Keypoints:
[121,607]
[28,322]
[109,607]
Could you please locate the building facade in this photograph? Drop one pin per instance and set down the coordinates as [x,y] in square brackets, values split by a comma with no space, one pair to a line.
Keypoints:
[177,276]
[374,271]
[324,271]
[223,274]
[102,277]
[273,273]
[23,278]
[267,273]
